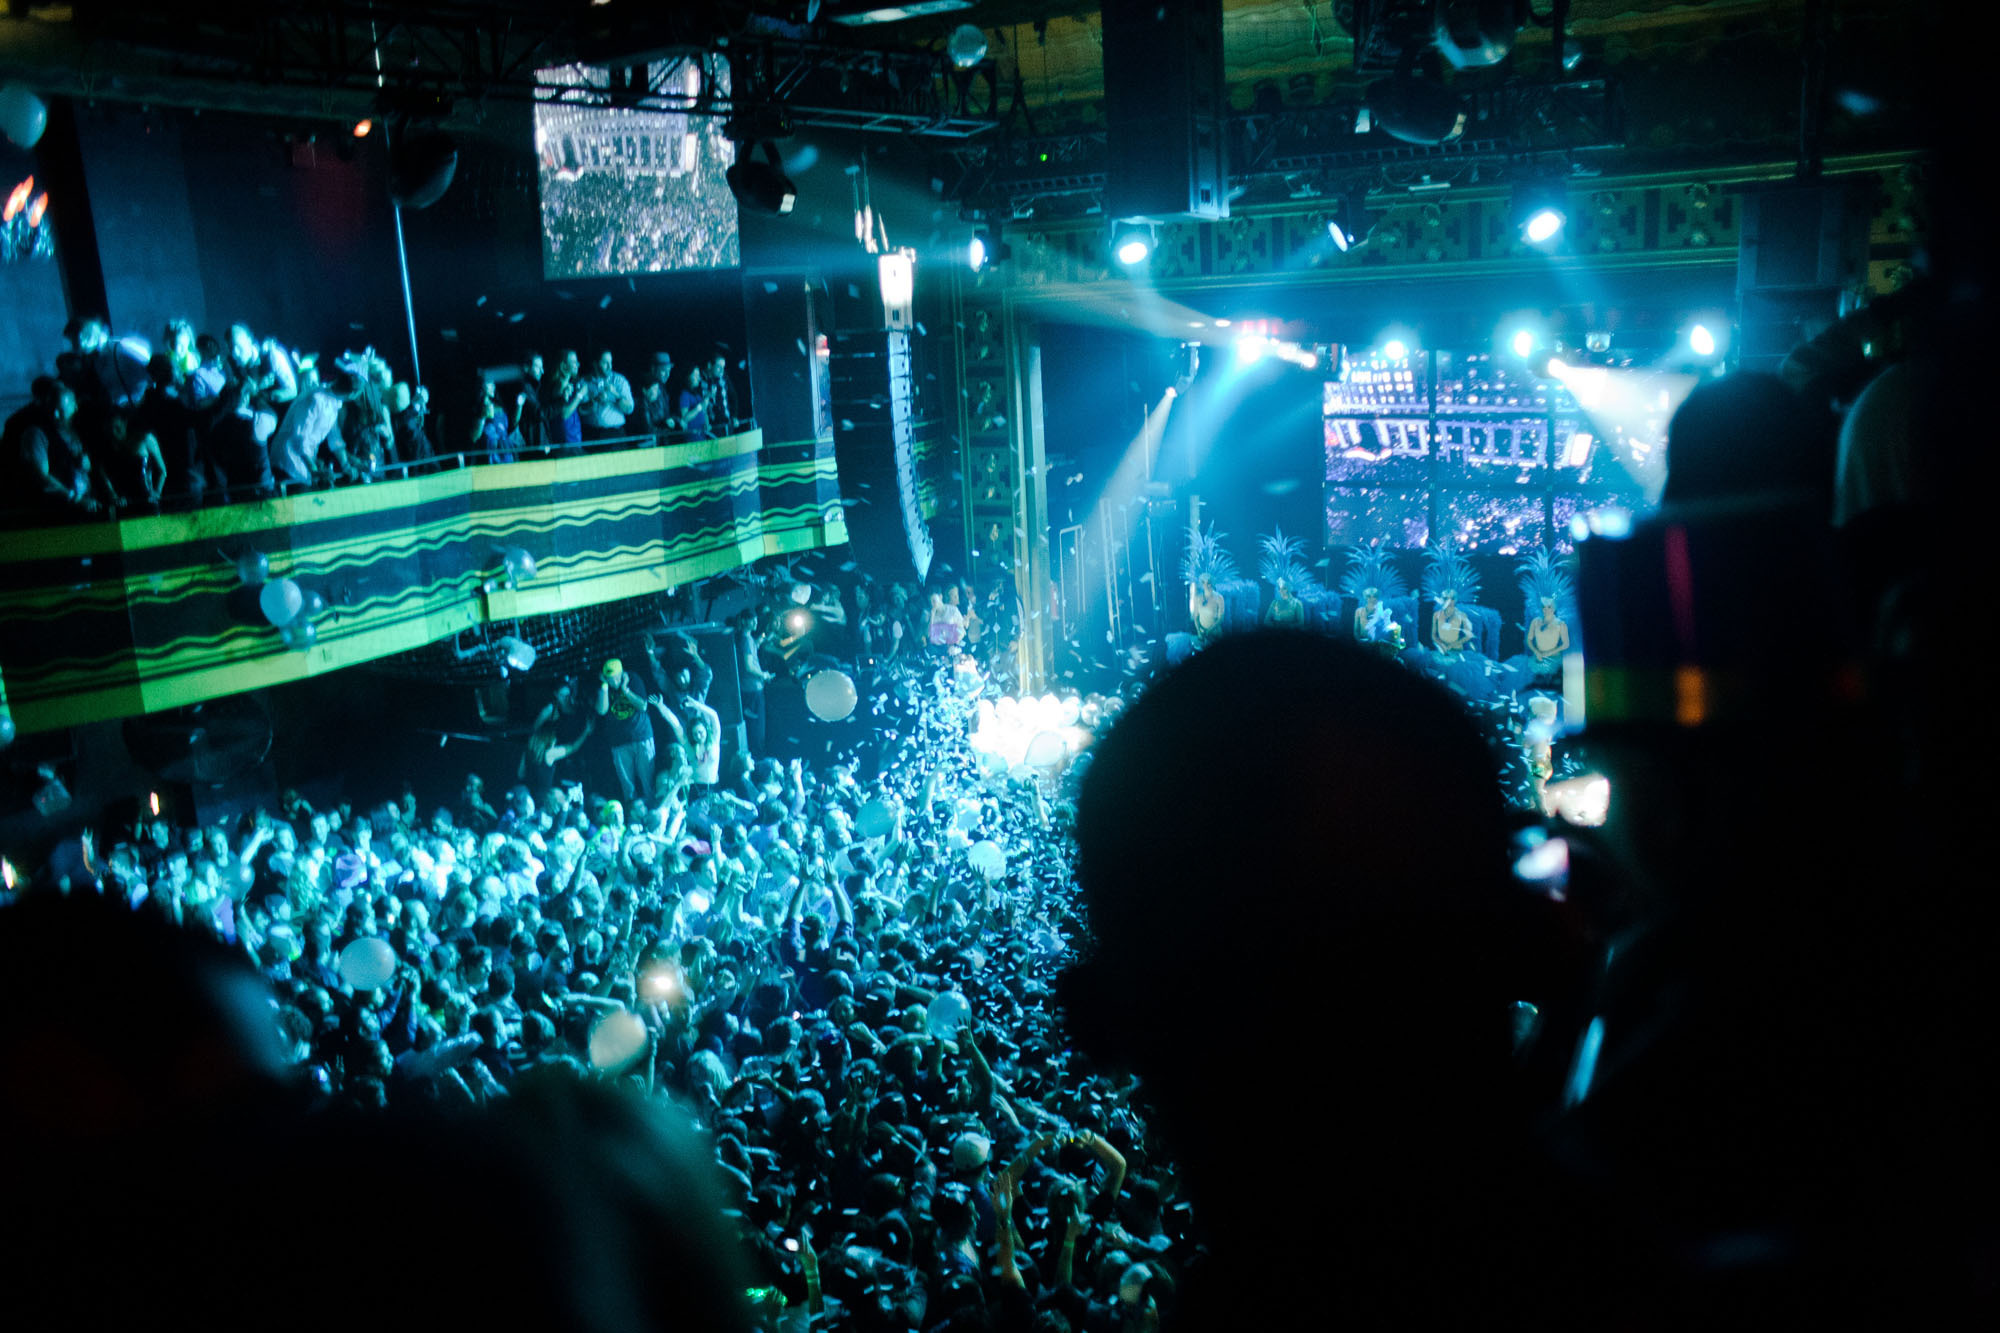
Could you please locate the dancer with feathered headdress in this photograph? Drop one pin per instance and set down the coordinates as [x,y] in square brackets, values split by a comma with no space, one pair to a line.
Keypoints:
[1449,580]
[1372,581]
[1548,595]
[1282,564]
[1205,565]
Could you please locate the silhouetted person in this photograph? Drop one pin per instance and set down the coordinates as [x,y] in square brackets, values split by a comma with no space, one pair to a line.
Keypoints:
[1345,816]
[1749,434]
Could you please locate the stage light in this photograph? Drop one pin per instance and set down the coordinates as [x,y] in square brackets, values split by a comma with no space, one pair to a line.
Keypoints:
[362,126]
[1132,242]
[1540,208]
[1700,341]
[1416,108]
[799,620]
[1250,350]
[987,249]
[761,185]
[1396,349]
[1524,342]
[1221,323]
[1338,235]
[897,270]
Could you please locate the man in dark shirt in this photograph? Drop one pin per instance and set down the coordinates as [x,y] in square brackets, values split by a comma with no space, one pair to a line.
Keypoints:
[44,451]
[165,415]
[627,729]
[527,403]
[656,399]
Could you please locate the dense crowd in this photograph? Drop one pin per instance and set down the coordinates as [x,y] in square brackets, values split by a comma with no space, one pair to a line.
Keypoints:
[124,428]
[805,959]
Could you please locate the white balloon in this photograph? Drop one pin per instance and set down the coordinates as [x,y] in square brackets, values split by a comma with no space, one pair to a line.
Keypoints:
[520,564]
[253,566]
[1047,750]
[802,593]
[831,695]
[280,601]
[617,1040]
[23,116]
[299,634]
[877,819]
[311,604]
[367,964]
[947,1014]
[987,858]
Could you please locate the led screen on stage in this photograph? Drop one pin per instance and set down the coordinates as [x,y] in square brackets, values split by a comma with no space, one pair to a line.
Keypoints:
[1472,449]
[635,189]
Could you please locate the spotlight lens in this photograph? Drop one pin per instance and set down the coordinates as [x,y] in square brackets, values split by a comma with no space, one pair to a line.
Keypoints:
[361,128]
[1133,250]
[1543,225]
[1524,342]
[1701,340]
[976,252]
[1250,350]
[1395,349]
[1338,237]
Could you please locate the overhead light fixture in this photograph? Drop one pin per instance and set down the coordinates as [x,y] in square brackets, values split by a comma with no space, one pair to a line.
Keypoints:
[1415,106]
[864,13]
[1474,34]
[1524,342]
[1395,349]
[1132,242]
[966,46]
[987,249]
[1701,341]
[761,185]
[1250,349]
[362,127]
[1541,208]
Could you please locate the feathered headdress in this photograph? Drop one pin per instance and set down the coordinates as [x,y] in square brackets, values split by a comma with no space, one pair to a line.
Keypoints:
[1544,575]
[1282,558]
[1445,569]
[1370,567]
[1204,555]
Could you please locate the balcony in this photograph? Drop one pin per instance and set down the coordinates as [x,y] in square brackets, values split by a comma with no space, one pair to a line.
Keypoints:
[107,620]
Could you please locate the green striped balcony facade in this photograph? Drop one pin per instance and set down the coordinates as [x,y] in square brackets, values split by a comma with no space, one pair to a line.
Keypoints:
[107,620]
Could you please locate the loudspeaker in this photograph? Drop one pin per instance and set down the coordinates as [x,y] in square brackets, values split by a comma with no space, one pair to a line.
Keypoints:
[788,318]
[876,394]
[1164,101]
[1801,247]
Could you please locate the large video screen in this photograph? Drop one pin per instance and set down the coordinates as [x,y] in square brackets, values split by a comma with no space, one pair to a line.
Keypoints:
[1466,448]
[635,189]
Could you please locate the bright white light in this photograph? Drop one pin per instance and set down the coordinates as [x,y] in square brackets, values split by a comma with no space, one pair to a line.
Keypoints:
[899,279]
[1584,800]
[1543,225]
[1196,324]
[1337,236]
[1524,342]
[1701,341]
[1251,350]
[1579,448]
[1133,250]
[1396,349]
[1221,323]
[976,253]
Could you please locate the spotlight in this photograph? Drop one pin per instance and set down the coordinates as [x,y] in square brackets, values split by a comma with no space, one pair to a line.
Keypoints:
[1396,349]
[362,127]
[798,620]
[1700,341]
[1338,235]
[1540,209]
[1250,350]
[1132,242]
[897,273]
[761,185]
[1416,107]
[987,249]
[1524,342]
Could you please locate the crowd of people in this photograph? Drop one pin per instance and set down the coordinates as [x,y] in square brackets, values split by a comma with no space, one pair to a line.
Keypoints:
[1278,1008]
[122,428]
